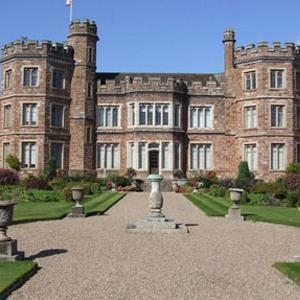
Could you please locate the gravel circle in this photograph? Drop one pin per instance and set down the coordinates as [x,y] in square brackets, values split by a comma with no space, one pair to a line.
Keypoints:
[95,258]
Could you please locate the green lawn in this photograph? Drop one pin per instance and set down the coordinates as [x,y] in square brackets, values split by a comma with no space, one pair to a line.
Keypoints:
[36,211]
[11,272]
[216,206]
[289,269]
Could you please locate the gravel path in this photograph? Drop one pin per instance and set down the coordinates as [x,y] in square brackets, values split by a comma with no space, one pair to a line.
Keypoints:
[94,258]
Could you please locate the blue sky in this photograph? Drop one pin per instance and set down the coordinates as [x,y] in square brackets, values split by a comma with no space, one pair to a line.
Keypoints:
[156,35]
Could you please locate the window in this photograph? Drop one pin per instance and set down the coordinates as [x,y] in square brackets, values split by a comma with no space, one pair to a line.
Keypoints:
[250,117]
[277,156]
[130,155]
[298,152]
[107,116]
[29,155]
[201,156]
[57,153]
[142,156]
[5,152]
[200,117]
[29,114]
[7,79]
[277,115]
[298,117]
[89,134]
[108,156]
[57,115]
[297,80]
[30,77]
[276,79]
[250,81]
[131,114]
[90,90]
[251,156]
[177,160]
[7,116]
[153,114]
[90,54]
[177,115]
[58,79]
[165,155]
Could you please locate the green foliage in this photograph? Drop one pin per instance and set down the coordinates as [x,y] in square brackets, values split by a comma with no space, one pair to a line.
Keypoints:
[89,177]
[293,199]
[67,192]
[50,168]
[271,188]
[130,172]
[290,269]
[41,196]
[243,171]
[293,168]
[257,198]
[58,183]
[217,190]
[118,180]
[13,162]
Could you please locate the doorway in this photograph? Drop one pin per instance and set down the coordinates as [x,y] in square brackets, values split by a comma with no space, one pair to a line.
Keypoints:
[153,162]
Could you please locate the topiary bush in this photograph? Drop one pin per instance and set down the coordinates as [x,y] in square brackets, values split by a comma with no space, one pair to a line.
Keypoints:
[13,162]
[8,176]
[243,170]
[50,168]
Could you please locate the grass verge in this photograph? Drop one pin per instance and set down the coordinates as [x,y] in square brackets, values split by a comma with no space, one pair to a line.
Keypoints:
[216,206]
[289,269]
[13,274]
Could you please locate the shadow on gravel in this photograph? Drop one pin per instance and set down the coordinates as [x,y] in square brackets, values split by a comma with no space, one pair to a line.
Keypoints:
[190,225]
[46,253]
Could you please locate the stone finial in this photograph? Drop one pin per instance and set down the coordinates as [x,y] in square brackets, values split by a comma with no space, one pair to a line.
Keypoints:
[229,35]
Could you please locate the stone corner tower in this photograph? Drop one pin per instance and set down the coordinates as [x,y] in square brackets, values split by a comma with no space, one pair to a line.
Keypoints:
[83,38]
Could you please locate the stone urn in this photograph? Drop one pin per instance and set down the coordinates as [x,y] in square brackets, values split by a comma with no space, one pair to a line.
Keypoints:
[235,196]
[6,217]
[155,198]
[77,194]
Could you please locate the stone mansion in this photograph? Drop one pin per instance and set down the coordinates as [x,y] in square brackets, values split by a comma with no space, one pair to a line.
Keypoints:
[53,103]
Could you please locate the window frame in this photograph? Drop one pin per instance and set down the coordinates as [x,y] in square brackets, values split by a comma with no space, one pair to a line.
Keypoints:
[61,82]
[7,115]
[198,109]
[247,108]
[252,82]
[108,120]
[255,164]
[62,115]
[23,121]
[277,116]
[61,154]
[30,85]
[207,167]
[31,142]
[277,169]
[276,86]
[7,79]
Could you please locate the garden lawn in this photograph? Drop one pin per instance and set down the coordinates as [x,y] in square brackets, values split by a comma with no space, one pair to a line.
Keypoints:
[217,206]
[38,211]
[289,269]
[12,272]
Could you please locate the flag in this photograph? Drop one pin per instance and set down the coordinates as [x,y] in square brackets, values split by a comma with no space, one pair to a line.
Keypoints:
[69,2]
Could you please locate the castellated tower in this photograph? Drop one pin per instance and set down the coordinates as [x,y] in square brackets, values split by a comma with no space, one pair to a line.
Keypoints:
[34,103]
[83,39]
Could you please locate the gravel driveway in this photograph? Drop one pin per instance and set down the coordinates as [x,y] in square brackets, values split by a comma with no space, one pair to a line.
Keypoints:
[95,258]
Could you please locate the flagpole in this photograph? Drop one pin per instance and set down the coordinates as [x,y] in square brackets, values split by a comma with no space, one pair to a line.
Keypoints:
[71,11]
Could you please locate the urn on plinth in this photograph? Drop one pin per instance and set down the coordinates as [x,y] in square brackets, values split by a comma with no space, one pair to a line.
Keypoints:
[77,196]
[8,246]
[234,212]
[155,197]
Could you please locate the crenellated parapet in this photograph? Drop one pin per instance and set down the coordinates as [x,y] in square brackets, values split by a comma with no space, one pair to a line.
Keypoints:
[27,49]
[265,51]
[85,27]
[158,84]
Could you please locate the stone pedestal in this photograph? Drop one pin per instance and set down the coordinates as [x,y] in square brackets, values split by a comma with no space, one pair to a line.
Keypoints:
[77,211]
[234,212]
[156,222]
[9,251]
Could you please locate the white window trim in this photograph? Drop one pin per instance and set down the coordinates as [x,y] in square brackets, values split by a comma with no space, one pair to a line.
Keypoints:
[201,106]
[283,78]
[37,113]
[244,80]
[64,79]
[37,153]
[244,116]
[270,156]
[244,153]
[111,105]
[62,152]
[63,115]
[38,79]
[11,115]
[201,143]
[117,142]
[284,115]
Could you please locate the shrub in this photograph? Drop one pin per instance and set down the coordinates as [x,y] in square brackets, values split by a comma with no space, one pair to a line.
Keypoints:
[41,196]
[50,168]
[58,183]
[293,168]
[8,176]
[178,174]
[228,183]
[89,177]
[293,198]
[117,180]
[292,181]
[276,187]
[217,190]
[130,172]
[243,170]
[13,162]
[38,183]
[95,187]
